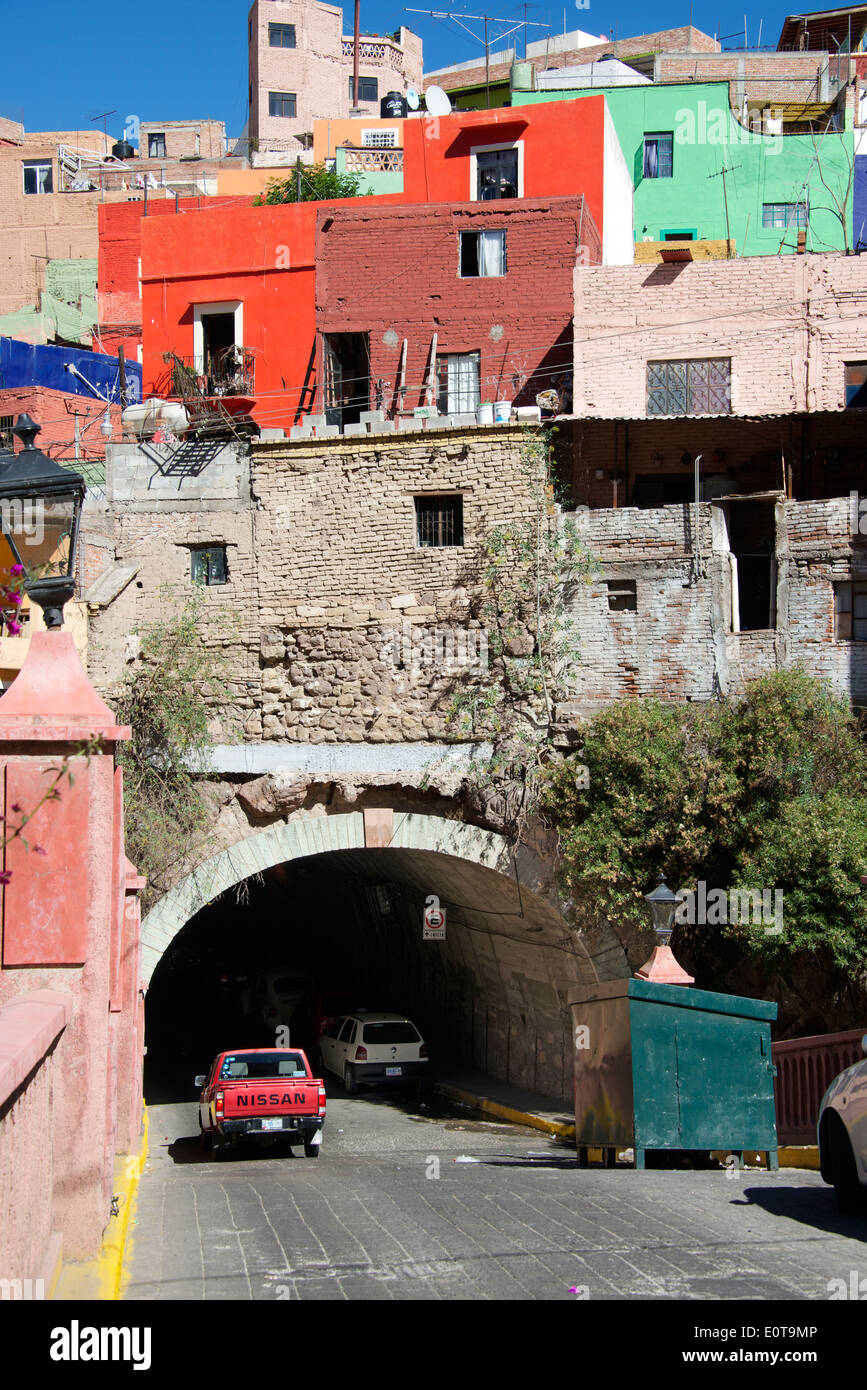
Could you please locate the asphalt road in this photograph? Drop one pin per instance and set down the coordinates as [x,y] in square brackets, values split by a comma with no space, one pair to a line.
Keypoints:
[408,1204]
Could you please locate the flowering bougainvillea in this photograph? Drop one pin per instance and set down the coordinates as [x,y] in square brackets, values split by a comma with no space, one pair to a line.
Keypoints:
[11,600]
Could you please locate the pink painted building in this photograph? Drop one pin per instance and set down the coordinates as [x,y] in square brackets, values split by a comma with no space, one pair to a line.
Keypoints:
[300,68]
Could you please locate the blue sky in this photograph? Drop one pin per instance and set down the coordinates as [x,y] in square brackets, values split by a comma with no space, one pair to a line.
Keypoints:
[170,61]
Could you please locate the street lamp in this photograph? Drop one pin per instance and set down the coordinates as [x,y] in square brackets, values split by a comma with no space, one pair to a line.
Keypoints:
[662,966]
[40,511]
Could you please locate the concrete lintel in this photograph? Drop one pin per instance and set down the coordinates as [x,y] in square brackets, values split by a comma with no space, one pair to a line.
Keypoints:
[342,758]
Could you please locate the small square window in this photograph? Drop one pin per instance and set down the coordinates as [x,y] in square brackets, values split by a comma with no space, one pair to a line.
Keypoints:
[157,145]
[38,176]
[439,521]
[368,89]
[281,35]
[850,604]
[6,423]
[208,564]
[281,104]
[695,386]
[483,254]
[856,385]
[658,155]
[622,596]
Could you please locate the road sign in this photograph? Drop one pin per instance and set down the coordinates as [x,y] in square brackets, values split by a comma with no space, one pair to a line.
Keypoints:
[434,920]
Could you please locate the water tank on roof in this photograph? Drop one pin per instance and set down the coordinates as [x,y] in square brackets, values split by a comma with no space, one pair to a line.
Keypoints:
[393,107]
[123,150]
[522,77]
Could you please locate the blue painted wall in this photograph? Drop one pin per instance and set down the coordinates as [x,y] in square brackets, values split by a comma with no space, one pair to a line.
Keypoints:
[859,206]
[23,364]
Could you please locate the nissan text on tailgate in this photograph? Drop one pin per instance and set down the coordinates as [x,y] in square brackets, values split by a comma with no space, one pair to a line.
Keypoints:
[264,1094]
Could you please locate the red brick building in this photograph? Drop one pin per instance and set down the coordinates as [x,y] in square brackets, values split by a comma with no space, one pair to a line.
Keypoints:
[449,304]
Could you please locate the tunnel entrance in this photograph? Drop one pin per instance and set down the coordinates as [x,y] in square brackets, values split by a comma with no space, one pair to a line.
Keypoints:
[341,930]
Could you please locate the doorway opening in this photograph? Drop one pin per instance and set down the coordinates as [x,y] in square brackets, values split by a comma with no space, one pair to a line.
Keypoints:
[347,377]
[752,540]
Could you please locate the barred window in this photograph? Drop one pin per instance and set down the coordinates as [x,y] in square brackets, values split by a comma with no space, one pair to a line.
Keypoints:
[208,564]
[850,603]
[693,387]
[6,423]
[439,520]
[380,138]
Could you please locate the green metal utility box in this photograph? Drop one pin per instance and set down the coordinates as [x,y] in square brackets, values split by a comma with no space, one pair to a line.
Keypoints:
[667,1067]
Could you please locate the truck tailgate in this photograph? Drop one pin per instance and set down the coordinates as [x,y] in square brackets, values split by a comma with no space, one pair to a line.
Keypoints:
[247,1098]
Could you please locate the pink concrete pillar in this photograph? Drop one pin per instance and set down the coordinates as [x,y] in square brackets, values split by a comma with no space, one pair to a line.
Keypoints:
[65,923]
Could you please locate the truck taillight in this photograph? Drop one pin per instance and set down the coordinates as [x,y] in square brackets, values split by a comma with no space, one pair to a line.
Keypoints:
[422,1052]
[361,1053]
[218,1102]
[322,1100]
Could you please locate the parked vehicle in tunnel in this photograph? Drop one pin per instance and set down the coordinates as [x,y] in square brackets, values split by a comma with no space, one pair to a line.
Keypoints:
[374,1048]
[264,1093]
[842,1131]
[273,997]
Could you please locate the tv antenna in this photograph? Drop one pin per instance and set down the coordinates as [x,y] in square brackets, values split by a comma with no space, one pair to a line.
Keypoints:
[486,19]
[103,116]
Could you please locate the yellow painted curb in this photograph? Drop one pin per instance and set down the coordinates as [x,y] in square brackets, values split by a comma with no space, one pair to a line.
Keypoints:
[800,1157]
[506,1112]
[100,1278]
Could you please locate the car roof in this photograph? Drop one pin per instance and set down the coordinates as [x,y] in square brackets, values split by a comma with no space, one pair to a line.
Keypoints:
[364,1017]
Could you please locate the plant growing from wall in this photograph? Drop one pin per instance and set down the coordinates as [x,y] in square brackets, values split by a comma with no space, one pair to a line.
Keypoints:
[523,572]
[165,698]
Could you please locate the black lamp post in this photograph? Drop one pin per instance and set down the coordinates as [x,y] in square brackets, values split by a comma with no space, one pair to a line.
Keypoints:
[662,968]
[40,511]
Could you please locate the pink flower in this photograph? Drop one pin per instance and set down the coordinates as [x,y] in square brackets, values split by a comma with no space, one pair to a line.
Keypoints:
[5,876]
[17,569]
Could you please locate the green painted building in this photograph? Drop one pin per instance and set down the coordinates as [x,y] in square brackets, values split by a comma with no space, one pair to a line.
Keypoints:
[678,138]
[372,180]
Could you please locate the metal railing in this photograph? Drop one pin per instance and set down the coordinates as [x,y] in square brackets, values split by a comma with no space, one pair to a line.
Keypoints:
[230,371]
[805,1069]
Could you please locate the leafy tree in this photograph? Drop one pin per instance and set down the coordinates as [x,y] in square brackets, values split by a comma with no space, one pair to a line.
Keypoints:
[768,791]
[311,183]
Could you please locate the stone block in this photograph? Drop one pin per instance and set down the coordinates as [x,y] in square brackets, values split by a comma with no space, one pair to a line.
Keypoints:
[266,435]
[354,430]
[370,417]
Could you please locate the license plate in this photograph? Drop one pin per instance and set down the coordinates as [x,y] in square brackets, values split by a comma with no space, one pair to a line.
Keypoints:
[274,1123]
[394,1071]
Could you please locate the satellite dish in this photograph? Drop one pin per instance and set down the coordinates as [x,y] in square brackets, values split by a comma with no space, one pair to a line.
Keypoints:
[437,101]
[413,100]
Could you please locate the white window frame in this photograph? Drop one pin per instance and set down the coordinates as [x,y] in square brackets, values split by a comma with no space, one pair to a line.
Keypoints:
[488,149]
[200,311]
[46,163]
[371,138]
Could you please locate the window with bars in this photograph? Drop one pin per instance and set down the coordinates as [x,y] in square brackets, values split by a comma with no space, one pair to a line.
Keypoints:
[784,215]
[281,104]
[382,139]
[368,89]
[208,564]
[439,520]
[850,606]
[6,436]
[658,154]
[856,385]
[701,386]
[281,35]
[38,176]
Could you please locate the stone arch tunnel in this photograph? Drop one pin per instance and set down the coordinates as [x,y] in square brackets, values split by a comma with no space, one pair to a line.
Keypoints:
[339,899]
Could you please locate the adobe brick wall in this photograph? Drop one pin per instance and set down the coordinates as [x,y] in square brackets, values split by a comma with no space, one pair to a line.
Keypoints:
[788,324]
[760,76]
[38,227]
[519,323]
[184,139]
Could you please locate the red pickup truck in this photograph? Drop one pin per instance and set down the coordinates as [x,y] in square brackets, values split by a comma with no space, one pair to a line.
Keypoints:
[261,1093]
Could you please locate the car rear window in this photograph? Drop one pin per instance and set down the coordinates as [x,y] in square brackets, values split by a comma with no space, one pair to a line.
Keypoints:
[390,1033]
[242,1066]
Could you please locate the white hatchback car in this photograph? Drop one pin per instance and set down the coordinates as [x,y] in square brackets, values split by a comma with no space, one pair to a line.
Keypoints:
[365,1048]
[842,1130]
